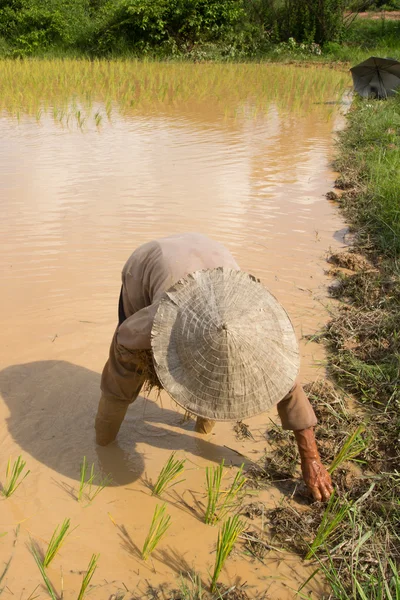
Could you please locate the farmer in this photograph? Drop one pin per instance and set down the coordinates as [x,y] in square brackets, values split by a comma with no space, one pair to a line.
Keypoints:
[213,337]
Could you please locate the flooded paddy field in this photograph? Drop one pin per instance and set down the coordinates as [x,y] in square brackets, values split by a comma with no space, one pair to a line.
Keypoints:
[97,158]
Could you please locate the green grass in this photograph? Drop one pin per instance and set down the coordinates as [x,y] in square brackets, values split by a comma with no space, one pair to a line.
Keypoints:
[168,474]
[358,548]
[57,540]
[335,512]
[219,501]
[227,537]
[384,585]
[352,447]
[88,488]
[158,528]
[369,159]
[13,476]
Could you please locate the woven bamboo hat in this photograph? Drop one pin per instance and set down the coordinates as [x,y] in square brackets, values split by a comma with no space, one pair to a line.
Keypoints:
[223,346]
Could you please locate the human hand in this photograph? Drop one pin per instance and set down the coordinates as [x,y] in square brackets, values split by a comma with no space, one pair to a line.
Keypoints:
[317,479]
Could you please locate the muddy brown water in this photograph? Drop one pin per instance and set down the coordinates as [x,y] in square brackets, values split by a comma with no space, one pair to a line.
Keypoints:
[74,206]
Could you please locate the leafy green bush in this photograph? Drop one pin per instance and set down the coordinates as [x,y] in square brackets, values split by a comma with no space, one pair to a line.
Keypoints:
[309,21]
[144,25]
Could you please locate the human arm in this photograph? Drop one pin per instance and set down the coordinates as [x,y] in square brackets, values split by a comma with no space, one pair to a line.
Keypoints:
[297,414]
[315,476]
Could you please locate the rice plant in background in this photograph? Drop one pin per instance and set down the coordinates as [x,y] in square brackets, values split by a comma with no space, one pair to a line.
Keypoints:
[88,575]
[57,540]
[158,528]
[334,514]
[170,471]
[46,580]
[220,502]
[227,537]
[352,447]
[87,483]
[13,474]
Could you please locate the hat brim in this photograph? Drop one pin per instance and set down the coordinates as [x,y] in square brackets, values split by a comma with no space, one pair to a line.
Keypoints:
[223,347]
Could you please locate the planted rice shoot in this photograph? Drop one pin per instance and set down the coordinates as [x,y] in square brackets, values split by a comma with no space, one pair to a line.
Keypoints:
[191,588]
[88,575]
[352,447]
[86,484]
[13,476]
[220,502]
[85,93]
[57,540]
[227,537]
[41,568]
[158,528]
[334,514]
[171,470]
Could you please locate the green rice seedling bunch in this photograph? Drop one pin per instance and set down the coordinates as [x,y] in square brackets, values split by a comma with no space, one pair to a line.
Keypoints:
[88,575]
[352,447]
[86,485]
[158,528]
[334,514]
[191,588]
[13,474]
[220,502]
[227,537]
[57,540]
[41,568]
[171,470]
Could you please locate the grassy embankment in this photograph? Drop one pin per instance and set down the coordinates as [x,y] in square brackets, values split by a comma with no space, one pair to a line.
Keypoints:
[355,540]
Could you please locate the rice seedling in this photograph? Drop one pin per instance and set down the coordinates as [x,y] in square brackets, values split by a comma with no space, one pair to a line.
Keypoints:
[220,502]
[158,528]
[139,86]
[333,515]
[57,540]
[191,587]
[227,537]
[13,474]
[86,484]
[352,447]
[170,471]
[41,568]
[88,575]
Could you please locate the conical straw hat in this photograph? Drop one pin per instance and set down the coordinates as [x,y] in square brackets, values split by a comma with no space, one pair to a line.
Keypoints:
[223,346]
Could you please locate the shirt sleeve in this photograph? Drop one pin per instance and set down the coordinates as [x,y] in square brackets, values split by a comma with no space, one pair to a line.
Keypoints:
[135,332]
[295,410]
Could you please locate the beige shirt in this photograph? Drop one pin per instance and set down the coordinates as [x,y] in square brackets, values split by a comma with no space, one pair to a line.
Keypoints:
[151,270]
[155,267]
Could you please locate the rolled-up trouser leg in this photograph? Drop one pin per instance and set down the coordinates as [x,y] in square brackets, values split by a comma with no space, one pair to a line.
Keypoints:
[204,425]
[110,415]
[121,382]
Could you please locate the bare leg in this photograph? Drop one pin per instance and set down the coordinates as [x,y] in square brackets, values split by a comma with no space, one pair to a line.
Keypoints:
[204,425]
